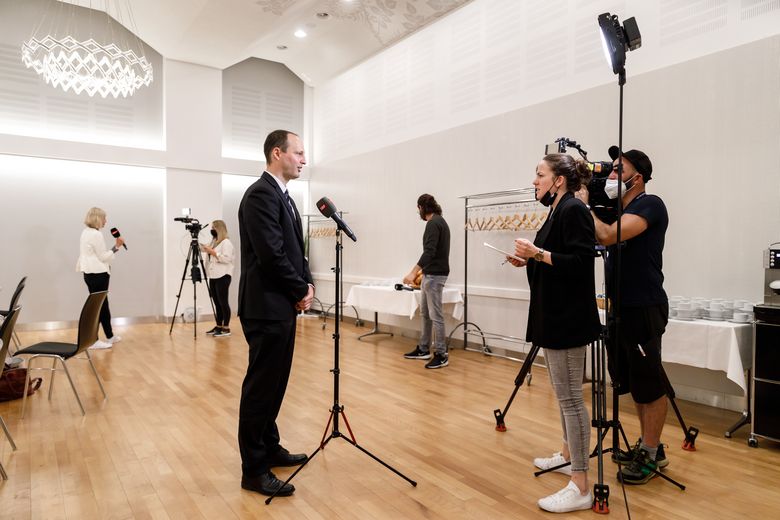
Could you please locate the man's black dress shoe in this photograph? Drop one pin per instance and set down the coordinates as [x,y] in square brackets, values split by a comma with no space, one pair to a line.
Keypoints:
[267,484]
[285,458]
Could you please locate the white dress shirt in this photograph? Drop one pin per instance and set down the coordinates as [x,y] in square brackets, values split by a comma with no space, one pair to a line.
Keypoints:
[94,257]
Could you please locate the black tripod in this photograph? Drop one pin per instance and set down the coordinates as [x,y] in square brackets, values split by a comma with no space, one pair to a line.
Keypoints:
[338,409]
[198,267]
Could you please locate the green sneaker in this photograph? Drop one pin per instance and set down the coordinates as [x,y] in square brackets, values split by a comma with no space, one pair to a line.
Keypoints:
[638,471]
[624,458]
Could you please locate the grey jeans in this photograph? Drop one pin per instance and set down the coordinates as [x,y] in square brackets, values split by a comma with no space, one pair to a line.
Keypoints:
[430,312]
[566,368]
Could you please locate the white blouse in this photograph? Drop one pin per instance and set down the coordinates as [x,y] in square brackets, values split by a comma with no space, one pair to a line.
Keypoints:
[93,255]
[222,264]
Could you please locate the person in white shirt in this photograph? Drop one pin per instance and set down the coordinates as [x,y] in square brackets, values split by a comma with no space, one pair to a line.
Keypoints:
[220,269]
[95,261]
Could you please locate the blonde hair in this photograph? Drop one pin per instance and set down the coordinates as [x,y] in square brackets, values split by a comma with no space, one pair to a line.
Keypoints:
[221,229]
[94,218]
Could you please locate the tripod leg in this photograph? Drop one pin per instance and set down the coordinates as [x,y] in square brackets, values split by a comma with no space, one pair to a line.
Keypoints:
[178,296]
[299,468]
[358,446]
[689,444]
[525,369]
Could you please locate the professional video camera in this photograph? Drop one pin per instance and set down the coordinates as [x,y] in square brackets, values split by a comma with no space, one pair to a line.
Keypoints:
[192,225]
[604,207]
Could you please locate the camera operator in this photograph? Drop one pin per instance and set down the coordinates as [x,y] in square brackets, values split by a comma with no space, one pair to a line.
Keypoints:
[644,308]
[220,270]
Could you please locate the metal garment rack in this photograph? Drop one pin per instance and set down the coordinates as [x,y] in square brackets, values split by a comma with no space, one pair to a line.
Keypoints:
[315,218]
[486,200]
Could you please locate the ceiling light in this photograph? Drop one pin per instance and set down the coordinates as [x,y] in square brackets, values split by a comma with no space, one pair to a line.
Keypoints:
[88,66]
[323,15]
[300,33]
[282,47]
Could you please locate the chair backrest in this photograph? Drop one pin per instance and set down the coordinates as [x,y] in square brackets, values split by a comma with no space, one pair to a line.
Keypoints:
[90,319]
[6,330]
[17,293]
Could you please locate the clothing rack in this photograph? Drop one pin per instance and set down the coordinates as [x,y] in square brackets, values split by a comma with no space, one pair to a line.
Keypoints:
[496,200]
[323,224]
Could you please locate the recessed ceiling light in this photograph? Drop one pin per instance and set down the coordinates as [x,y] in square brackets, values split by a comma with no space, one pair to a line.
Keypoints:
[300,33]
[282,47]
[323,15]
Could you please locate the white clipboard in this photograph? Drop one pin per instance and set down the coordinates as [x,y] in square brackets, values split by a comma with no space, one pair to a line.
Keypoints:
[510,255]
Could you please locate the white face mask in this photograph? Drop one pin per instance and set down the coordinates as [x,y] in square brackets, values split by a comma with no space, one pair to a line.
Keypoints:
[611,188]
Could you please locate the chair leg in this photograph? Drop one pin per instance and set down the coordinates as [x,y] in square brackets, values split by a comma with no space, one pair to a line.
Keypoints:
[7,433]
[53,371]
[26,386]
[75,392]
[3,474]
[16,339]
[94,371]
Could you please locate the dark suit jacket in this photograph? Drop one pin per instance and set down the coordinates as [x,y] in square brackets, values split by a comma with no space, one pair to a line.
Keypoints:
[563,313]
[274,271]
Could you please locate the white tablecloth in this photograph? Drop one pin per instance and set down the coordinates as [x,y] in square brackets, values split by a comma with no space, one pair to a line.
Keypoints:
[402,303]
[716,345]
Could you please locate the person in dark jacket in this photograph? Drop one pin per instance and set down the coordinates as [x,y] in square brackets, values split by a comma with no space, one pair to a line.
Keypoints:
[435,266]
[563,316]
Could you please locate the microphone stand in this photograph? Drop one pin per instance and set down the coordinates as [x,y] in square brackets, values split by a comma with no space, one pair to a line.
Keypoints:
[337,410]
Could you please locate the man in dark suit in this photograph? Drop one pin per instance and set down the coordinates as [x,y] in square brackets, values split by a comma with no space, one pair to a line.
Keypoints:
[275,284]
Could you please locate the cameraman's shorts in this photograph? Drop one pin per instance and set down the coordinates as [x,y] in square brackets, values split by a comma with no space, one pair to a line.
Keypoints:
[638,369]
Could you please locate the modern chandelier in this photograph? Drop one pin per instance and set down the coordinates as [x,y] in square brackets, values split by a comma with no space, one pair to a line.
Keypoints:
[67,62]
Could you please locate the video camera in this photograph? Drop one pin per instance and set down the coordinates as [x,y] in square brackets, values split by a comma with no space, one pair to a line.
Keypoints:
[604,207]
[192,225]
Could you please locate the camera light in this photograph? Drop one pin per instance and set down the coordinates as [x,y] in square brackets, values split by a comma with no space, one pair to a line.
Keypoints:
[617,40]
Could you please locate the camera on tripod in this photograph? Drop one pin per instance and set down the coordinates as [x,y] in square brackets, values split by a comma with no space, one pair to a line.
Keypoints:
[604,207]
[192,225]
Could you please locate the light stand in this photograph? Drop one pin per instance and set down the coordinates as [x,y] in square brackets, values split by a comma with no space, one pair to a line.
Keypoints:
[198,267]
[338,409]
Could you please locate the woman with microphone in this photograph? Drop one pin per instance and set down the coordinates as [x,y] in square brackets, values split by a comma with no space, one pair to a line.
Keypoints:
[95,261]
[220,268]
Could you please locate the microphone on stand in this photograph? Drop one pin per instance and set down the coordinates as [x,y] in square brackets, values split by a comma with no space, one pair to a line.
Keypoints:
[116,234]
[328,210]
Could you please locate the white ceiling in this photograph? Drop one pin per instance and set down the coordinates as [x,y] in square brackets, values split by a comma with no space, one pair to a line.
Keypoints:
[220,33]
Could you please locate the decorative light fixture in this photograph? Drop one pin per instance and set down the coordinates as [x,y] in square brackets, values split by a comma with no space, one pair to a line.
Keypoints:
[87,66]
[300,33]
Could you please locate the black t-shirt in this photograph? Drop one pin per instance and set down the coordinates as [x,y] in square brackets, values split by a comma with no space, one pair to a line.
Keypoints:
[642,277]
[435,259]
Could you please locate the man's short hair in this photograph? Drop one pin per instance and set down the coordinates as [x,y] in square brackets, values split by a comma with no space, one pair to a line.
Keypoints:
[276,139]
[638,158]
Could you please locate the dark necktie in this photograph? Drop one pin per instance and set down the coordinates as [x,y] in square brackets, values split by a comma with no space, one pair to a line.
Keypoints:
[290,204]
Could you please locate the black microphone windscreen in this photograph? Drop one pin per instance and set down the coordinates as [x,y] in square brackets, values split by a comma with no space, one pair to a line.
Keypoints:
[326,207]
[115,232]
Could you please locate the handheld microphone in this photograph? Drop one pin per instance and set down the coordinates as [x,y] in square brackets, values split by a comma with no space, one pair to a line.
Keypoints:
[116,234]
[402,287]
[328,210]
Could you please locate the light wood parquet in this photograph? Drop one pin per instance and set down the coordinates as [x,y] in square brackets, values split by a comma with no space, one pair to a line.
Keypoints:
[164,444]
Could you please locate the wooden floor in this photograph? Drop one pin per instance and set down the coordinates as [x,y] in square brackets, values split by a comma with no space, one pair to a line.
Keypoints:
[164,444]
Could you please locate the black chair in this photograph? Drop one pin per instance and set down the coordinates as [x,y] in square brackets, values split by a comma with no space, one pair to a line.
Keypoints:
[87,336]
[6,330]
[14,302]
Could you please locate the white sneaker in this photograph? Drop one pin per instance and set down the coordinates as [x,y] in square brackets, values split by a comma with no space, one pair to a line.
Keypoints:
[550,462]
[114,339]
[566,500]
[100,345]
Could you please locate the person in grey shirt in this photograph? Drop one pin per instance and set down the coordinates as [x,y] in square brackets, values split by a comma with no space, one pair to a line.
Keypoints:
[435,267]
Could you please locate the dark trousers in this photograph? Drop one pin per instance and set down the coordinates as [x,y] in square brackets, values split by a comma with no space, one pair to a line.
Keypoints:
[97,282]
[271,345]
[219,291]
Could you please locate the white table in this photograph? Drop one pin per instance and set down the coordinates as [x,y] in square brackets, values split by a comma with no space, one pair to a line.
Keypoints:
[385,299]
[715,345]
